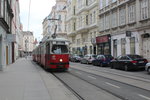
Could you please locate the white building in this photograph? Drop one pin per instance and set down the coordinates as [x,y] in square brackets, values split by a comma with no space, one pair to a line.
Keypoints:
[28,42]
[16,28]
[82,25]
[56,20]
[128,24]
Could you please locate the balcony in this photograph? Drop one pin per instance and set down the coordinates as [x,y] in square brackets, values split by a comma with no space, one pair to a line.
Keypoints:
[94,25]
[72,33]
[94,4]
[82,29]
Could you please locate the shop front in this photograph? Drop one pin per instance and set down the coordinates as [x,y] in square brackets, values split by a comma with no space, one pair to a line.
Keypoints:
[103,44]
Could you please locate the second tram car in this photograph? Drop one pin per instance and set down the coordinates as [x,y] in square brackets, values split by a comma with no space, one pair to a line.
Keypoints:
[52,54]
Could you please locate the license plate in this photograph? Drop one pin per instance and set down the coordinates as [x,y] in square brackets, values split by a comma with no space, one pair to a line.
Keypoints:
[141,61]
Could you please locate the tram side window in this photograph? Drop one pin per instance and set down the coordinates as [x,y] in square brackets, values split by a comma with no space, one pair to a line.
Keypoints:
[59,49]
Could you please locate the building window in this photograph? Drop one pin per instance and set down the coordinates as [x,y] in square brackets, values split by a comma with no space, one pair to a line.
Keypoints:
[122,16]
[100,4]
[123,50]
[90,18]
[132,45]
[73,40]
[131,13]
[114,1]
[74,24]
[144,9]
[86,2]
[74,10]
[59,17]
[107,2]
[114,19]
[83,40]
[107,21]
[94,16]
[78,41]
[87,19]
[106,49]
[2,7]
[101,24]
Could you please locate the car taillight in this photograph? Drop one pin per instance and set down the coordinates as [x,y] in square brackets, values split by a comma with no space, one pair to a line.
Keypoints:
[104,59]
[134,62]
[145,61]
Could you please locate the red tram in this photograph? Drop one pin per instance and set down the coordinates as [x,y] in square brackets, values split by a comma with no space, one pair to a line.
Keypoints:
[52,54]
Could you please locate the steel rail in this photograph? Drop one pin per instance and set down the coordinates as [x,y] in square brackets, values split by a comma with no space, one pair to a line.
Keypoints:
[68,87]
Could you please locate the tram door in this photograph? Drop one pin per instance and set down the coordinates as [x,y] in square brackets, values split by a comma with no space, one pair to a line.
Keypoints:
[146,48]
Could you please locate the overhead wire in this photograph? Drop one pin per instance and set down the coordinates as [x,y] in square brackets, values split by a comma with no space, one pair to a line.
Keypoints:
[29,14]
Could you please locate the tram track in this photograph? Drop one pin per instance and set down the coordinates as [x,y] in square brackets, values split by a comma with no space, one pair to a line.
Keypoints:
[122,97]
[134,77]
[69,88]
[112,80]
[78,95]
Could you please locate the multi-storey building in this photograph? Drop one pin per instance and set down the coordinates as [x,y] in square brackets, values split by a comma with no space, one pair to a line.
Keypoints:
[82,25]
[6,16]
[28,42]
[56,20]
[16,29]
[46,27]
[124,25]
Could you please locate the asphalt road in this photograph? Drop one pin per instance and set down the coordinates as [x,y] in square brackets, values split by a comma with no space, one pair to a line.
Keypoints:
[95,83]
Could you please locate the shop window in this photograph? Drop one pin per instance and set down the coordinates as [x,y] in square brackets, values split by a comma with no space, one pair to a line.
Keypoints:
[106,49]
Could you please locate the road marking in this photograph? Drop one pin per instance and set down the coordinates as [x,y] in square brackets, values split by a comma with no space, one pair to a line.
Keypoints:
[91,77]
[78,72]
[145,97]
[112,85]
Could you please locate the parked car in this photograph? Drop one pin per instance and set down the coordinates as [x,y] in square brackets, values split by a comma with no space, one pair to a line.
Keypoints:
[87,59]
[147,67]
[70,56]
[129,62]
[102,60]
[76,58]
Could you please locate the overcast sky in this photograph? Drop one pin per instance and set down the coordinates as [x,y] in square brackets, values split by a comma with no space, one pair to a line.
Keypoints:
[39,9]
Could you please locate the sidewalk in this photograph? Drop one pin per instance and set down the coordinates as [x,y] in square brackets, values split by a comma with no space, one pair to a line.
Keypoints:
[24,80]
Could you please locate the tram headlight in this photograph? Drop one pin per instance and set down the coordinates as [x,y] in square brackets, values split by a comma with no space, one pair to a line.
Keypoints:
[60,60]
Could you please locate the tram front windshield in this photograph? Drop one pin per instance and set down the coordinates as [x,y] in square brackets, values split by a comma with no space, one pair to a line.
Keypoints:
[59,49]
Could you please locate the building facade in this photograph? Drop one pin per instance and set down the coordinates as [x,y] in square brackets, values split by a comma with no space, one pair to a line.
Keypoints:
[55,22]
[28,42]
[128,24]
[82,25]
[6,15]
[16,29]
